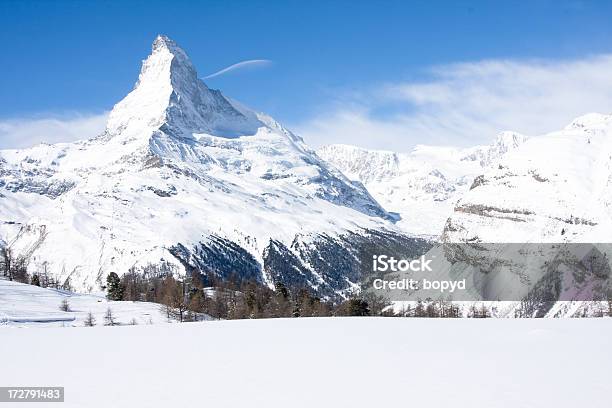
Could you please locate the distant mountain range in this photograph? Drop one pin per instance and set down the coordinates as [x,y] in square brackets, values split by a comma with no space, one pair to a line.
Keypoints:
[554,188]
[424,185]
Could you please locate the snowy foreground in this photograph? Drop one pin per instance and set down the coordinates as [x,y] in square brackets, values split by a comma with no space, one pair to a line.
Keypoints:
[326,362]
[30,306]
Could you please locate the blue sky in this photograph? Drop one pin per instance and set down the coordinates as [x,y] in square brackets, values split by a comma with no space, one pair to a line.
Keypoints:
[332,60]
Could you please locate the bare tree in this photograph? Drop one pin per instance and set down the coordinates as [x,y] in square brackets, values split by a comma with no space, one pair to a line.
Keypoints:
[7,262]
[479,312]
[44,275]
[174,299]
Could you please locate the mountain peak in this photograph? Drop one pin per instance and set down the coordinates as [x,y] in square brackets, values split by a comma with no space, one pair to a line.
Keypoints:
[168,64]
[162,41]
[168,51]
[170,97]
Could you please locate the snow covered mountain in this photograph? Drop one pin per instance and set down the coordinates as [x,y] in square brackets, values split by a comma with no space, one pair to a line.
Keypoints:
[424,185]
[554,188]
[187,179]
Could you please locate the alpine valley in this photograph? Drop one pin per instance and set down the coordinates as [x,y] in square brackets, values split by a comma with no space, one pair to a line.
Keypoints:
[186,179]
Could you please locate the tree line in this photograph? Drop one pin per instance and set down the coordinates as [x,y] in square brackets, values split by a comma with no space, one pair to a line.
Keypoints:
[190,300]
[197,296]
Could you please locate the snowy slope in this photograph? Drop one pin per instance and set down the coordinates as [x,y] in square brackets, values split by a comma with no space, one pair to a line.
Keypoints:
[30,306]
[349,362]
[553,188]
[424,185]
[186,178]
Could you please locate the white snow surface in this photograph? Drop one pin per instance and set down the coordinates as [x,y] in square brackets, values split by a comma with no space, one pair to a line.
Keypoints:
[177,163]
[330,362]
[31,306]
[424,185]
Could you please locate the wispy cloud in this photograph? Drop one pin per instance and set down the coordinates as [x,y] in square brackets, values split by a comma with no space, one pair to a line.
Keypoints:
[24,132]
[467,103]
[241,65]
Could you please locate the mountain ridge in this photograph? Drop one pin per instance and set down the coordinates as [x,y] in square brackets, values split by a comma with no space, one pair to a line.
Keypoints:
[422,186]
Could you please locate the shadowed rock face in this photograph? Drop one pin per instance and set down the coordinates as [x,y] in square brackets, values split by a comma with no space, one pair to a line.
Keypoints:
[328,266]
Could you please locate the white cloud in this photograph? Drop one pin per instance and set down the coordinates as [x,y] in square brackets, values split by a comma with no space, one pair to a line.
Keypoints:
[24,132]
[240,65]
[467,104]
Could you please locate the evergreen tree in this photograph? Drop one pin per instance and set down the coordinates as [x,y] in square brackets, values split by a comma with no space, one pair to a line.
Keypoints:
[90,321]
[358,307]
[65,306]
[281,289]
[114,287]
[109,318]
